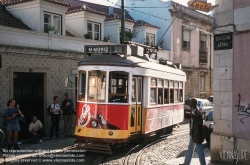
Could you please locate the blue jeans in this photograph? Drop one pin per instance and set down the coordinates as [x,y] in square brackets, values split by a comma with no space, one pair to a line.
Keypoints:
[189,153]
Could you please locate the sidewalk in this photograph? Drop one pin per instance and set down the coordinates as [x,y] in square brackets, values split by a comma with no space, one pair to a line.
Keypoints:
[195,160]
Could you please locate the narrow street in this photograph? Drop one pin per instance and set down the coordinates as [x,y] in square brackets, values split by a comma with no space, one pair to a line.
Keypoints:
[166,150]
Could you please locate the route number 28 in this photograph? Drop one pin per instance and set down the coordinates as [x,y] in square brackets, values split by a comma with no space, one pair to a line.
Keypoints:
[118,49]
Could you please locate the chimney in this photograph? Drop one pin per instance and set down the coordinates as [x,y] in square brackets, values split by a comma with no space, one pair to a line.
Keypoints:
[111,10]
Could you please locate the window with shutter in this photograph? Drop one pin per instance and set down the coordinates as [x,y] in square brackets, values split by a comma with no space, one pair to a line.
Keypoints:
[203,42]
[186,39]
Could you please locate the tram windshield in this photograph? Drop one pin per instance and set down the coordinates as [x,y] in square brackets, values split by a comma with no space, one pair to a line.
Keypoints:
[96,86]
[118,87]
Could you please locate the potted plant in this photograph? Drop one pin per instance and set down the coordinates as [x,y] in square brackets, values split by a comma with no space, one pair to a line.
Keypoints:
[130,35]
[87,36]
[53,30]
[107,38]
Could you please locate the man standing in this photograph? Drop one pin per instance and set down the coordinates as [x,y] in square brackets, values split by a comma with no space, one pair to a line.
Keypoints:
[12,118]
[67,107]
[196,134]
[36,129]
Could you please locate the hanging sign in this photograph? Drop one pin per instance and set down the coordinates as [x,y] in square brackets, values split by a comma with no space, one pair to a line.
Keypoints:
[199,5]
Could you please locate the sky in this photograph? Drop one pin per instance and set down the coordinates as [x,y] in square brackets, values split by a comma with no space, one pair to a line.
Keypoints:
[107,2]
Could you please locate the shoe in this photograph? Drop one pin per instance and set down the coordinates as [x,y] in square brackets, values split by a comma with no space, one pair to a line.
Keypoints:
[182,164]
[9,146]
[16,147]
[40,141]
[66,136]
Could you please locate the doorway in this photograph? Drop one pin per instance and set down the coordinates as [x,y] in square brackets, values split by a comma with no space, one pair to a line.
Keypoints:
[136,107]
[28,91]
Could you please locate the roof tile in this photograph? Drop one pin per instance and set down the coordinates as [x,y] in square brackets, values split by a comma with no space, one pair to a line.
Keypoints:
[144,23]
[7,19]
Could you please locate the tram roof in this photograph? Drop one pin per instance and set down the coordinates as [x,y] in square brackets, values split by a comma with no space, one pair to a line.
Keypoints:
[130,61]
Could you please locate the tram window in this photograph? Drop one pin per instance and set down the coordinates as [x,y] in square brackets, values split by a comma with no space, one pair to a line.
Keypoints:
[176,84]
[153,96]
[160,96]
[133,94]
[171,84]
[160,83]
[118,87]
[181,85]
[181,92]
[82,83]
[176,95]
[181,95]
[165,83]
[139,89]
[97,85]
[166,96]
[171,95]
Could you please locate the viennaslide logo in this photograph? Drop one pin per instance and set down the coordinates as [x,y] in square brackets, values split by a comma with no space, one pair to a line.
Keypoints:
[235,154]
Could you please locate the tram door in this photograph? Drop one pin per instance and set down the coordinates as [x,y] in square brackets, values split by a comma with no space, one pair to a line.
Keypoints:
[136,107]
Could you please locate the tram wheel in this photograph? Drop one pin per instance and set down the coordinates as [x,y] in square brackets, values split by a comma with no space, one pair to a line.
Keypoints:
[160,132]
[169,130]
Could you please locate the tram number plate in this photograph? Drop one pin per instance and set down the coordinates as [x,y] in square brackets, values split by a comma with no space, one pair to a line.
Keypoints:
[117,49]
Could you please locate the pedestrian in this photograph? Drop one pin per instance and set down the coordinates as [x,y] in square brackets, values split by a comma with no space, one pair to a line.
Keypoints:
[55,117]
[68,115]
[11,115]
[196,134]
[36,129]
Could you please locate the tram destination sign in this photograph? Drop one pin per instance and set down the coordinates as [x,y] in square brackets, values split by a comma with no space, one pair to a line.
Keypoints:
[223,41]
[96,49]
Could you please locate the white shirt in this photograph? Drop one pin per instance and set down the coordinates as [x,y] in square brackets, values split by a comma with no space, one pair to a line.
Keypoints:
[35,126]
[55,107]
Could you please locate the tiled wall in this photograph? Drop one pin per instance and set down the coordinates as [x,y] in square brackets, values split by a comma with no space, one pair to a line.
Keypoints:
[57,69]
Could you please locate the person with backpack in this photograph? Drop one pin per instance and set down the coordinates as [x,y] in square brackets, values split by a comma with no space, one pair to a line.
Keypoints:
[55,117]
[68,115]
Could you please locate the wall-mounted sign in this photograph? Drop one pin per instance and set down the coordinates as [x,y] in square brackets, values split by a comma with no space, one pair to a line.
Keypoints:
[198,5]
[107,49]
[223,41]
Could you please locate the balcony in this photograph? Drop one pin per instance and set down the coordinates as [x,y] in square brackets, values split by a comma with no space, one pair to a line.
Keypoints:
[203,57]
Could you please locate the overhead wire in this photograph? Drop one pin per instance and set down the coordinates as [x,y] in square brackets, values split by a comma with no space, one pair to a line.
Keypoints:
[163,18]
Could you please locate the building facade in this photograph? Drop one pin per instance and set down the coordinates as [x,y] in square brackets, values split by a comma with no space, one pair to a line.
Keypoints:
[230,140]
[41,43]
[188,39]
[192,44]
[191,41]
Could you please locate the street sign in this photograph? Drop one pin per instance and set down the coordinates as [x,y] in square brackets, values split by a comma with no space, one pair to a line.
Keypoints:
[198,5]
[223,41]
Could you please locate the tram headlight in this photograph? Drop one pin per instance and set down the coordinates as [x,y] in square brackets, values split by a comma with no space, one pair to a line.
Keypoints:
[94,123]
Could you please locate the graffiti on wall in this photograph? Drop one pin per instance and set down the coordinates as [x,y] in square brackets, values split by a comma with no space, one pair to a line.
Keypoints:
[243,111]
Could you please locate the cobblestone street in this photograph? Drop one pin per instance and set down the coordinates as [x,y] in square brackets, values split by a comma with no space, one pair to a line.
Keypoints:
[170,151]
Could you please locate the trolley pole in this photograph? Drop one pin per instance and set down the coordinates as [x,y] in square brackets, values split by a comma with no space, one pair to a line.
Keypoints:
[122,22]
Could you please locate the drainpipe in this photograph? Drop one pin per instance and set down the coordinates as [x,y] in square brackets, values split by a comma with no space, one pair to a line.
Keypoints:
[210,67]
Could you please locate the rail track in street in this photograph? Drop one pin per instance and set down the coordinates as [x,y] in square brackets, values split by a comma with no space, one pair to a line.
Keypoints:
[134,153]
